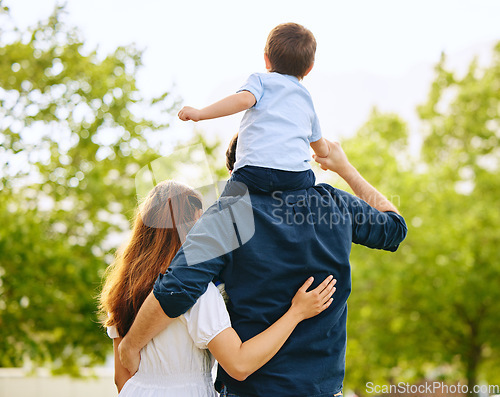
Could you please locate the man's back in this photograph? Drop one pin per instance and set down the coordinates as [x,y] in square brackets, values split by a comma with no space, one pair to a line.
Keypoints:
[299,234]
[296,234]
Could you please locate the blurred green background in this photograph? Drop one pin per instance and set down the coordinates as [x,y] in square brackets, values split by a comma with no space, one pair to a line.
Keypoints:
[73,133]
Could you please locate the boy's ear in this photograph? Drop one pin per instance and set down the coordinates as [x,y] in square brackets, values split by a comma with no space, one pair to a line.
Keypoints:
[308,70]
[268,62]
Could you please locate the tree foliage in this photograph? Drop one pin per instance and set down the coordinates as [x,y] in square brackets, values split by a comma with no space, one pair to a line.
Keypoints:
[432,310]
[71,141]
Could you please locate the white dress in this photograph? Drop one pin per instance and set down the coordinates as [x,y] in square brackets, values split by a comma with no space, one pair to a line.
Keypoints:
[177,362]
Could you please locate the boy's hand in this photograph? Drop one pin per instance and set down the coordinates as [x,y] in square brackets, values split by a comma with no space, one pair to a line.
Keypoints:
[321,147]
[336,160]
[189,113]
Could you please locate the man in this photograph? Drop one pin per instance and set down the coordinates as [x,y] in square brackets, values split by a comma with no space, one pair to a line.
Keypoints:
[297,234]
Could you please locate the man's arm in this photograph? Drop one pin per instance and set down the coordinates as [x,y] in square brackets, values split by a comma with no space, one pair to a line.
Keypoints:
[337,161]
[149,322]
[232,104]
[376,222]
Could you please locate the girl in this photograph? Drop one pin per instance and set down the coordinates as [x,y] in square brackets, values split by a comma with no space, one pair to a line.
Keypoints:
[176,362]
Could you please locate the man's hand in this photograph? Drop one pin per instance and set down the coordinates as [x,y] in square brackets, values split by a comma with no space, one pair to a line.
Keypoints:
[129,357]
[336,160]
[189,113]
[148,323]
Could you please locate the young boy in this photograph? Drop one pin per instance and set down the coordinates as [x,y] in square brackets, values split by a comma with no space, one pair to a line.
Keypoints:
[280,123]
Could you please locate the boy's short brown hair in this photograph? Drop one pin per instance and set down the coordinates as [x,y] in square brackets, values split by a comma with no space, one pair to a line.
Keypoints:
[290,48]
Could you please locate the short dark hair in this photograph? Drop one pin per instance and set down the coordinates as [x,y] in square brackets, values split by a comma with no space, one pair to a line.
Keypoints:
[231,153]
[290,48]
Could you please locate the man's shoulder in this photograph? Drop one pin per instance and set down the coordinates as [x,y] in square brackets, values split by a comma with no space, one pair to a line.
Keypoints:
[339,196]
[330,189]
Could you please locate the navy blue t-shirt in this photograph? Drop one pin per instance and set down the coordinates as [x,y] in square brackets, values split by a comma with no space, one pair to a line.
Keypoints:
[263,258]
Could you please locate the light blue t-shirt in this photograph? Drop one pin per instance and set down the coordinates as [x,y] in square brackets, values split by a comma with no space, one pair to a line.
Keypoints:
[277,130]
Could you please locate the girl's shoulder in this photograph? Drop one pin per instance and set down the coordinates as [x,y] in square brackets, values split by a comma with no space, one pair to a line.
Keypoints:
[207,318]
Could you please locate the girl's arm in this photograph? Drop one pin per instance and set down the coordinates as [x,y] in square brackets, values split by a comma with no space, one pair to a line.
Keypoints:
[121,373]
[232,104]
[242,359]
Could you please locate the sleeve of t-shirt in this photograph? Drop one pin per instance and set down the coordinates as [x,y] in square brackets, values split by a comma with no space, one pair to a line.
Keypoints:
[255,86]
[316,129]
[207,318]
[371,227]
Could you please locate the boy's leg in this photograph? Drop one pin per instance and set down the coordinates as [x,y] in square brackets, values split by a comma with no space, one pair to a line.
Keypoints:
[266,180]
[292,180]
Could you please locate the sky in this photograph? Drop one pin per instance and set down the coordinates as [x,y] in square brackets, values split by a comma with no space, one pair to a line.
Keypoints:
[370,53]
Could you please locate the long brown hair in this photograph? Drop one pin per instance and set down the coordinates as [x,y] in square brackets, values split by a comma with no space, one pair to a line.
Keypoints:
[160,227]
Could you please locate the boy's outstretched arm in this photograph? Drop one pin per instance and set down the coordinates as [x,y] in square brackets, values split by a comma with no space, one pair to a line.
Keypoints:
[232,104]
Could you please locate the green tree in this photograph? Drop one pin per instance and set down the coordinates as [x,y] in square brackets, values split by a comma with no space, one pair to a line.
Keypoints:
[376,327]
[433,308]
[72,138]
[462,117]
